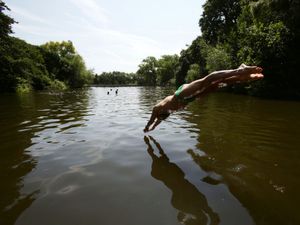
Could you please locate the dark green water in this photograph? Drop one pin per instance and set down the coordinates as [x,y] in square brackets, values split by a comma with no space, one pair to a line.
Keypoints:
[81,158]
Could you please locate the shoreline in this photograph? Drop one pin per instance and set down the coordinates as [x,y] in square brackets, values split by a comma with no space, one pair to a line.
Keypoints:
[114,85]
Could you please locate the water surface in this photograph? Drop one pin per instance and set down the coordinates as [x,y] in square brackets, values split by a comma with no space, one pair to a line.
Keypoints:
[82,158]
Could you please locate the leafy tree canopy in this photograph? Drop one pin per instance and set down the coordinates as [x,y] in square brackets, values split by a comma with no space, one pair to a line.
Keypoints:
[148,71]
[5,21]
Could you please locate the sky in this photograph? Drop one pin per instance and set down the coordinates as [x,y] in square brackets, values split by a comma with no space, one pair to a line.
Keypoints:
[110,35]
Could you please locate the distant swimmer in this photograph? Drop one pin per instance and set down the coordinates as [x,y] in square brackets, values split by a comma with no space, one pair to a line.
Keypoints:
[108,92]
[189,92]
[117,91]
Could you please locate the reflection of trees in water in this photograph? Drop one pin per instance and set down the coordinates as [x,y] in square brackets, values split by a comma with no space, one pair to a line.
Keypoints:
[149,96]
[192,205]
[24,117]
[67,108]
[15,163]
[241,145]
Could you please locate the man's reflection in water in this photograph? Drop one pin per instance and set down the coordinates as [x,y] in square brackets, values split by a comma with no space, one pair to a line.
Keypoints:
[192,205]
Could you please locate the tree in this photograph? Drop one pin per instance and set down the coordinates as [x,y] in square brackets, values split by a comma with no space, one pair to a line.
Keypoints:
[262,32]
[5,21]
[65,64]
[268,32]
[219,19]
[194,54]
[217,59]
[193,73]
[166,69]
[24,66]
[64,49]
[147,72]
[115,78]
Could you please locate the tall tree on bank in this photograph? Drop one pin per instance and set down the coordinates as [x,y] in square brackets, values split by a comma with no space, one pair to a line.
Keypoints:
[147,72]
[219,19]
[194,54]
[5,21]
[166,69]
[65,64]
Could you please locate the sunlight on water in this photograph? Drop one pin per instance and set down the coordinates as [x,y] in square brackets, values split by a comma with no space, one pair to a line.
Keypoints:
[82,158]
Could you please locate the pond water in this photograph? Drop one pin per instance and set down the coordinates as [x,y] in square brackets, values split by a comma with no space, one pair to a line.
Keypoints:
[82,158]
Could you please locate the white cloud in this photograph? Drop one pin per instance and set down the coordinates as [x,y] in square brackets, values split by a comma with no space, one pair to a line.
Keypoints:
[27,15]
[43,32]
[111,47]
[92,10]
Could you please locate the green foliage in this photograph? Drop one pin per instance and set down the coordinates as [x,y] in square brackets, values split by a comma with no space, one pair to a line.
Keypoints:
[115,78]
[160,71]
[23,67]
[147,72]
[217,59]
[269,36]
[64,64]
[194,54]
[166,69]
[64,49]
[260,42]
[193,73]
[219,19]
[57,85]
[20,61]
[41,67]
[5,21]
[23,86]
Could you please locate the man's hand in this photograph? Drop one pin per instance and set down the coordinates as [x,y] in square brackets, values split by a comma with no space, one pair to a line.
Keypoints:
[160,112]
[157,116]
[153,119]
